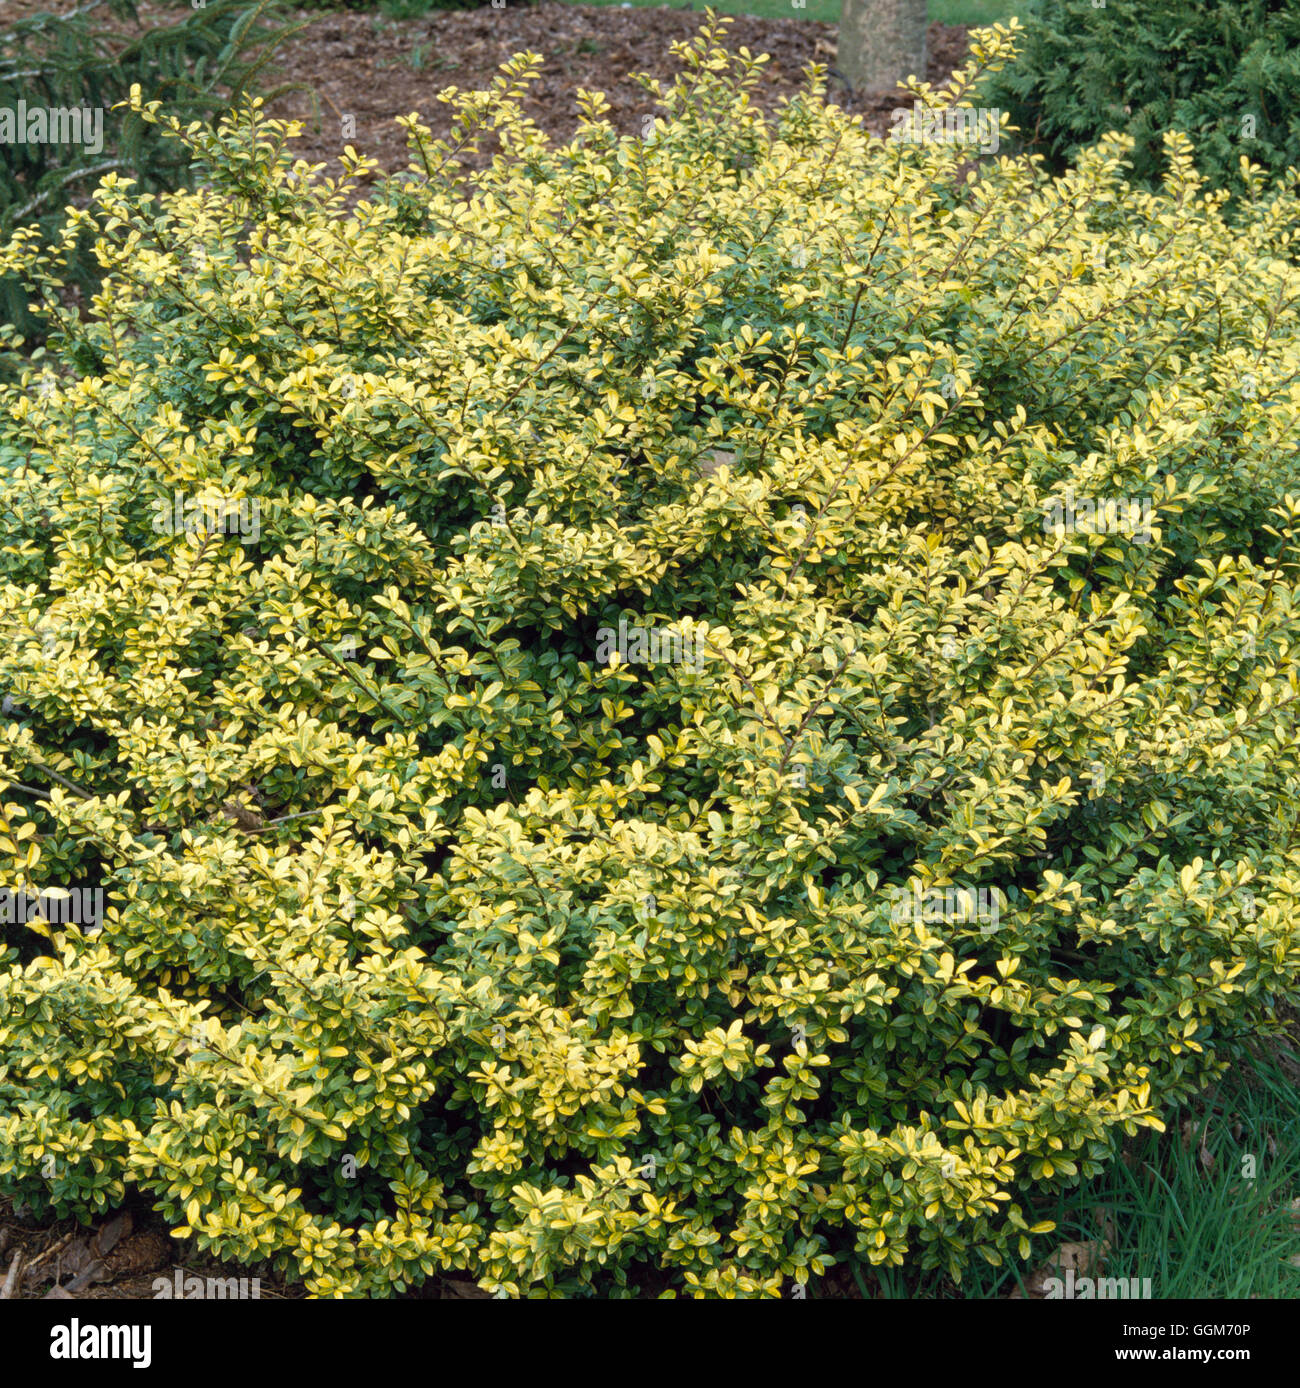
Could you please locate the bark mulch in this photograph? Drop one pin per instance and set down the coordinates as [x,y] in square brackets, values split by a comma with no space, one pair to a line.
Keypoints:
[374,69]
[363,65]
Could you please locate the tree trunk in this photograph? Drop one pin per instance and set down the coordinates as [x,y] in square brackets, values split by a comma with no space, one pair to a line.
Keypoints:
[882,43]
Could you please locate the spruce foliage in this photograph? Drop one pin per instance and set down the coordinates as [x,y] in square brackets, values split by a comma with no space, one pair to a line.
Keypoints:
[198,62]
[1226,72]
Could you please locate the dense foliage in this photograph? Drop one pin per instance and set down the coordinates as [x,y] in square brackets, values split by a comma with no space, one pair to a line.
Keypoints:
[669,573]
[197,59]
[1227,72]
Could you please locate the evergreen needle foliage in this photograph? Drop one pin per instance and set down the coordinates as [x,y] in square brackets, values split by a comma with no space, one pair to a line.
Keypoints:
[198,62]
[1227,72]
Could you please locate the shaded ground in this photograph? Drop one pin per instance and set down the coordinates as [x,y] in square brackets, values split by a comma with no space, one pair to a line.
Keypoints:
[117,1258]
[121,1255]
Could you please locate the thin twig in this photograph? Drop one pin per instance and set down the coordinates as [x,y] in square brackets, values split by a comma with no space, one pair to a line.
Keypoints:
[270,823]
[7,1291]
[51,1250]
[31,790]
[72,176]
[63,781]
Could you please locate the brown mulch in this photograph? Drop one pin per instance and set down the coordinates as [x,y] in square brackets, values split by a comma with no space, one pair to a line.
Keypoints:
[373,69]
[121,1255]
[117,1258]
